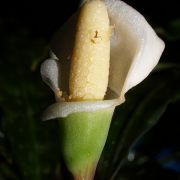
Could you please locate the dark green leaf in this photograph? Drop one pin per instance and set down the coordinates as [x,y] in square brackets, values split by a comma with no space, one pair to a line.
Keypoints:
[33,143]
[144,106]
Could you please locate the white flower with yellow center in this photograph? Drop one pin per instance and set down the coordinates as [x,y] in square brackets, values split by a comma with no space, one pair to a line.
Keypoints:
[104,49]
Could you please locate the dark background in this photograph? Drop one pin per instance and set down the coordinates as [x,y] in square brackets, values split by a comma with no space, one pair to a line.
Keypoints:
[42,19]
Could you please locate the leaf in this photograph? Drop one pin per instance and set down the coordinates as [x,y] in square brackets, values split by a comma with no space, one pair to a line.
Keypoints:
[32,143]
[7,173]
[144,106]
[173,30]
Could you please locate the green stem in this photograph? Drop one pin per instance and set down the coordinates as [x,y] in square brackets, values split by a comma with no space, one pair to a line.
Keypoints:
[83,136]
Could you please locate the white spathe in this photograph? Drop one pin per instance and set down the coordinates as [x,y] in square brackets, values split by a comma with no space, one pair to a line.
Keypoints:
[135,47]
[135,51]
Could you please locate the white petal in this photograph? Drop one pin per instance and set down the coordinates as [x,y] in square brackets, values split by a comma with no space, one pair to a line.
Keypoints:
[50,73]
[135,47]
[135,50]
[63,109]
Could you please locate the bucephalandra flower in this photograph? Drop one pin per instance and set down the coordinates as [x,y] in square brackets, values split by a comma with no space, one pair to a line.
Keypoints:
[104,49]
[135,51]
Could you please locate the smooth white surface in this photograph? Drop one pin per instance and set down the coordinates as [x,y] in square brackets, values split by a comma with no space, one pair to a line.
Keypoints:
[135,47]
[50,73]
[63,109]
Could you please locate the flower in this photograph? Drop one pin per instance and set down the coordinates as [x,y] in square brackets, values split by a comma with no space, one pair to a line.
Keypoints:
[135,51]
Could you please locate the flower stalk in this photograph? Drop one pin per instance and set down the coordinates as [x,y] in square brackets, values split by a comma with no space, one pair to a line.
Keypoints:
[83,137]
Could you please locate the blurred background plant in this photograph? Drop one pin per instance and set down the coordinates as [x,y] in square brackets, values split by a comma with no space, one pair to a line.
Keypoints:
[143,142]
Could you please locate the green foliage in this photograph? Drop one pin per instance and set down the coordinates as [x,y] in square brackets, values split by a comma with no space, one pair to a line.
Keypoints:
[144,106]
[32,144]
